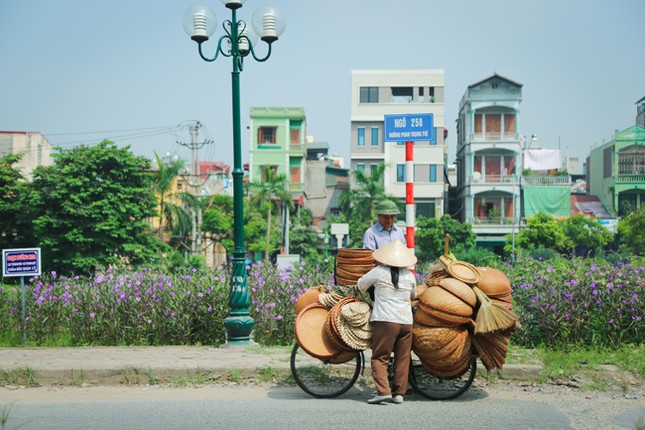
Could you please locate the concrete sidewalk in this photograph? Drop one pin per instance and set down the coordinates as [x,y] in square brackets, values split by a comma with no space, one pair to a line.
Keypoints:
[142,365]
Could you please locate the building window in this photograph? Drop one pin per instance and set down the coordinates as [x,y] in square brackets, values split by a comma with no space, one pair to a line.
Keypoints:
[400,173]
[373,168]
[433,173]
[607,158]
[361,136]
[369,95]
[267,135]
[631,160]
[294,131]
[374,136]
[425,209]
[295,174]
[360,167]
[402,94]
[509,123]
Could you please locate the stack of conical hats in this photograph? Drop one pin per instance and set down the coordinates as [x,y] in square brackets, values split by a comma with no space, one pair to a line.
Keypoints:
[351,264]
[450,310]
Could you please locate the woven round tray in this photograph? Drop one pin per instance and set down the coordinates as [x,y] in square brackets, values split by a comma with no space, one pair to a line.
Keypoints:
[308,297]
[311,334]
[332,327]
[443,315]
[459,289]
[443,300]
[355,253]
[423,318]
[343,357]
[493,282]
[347,275]
[355,268]
[463,271]
[358,260]
[344,281]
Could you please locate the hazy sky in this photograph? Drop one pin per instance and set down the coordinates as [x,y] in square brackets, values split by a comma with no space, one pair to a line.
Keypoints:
[81,71]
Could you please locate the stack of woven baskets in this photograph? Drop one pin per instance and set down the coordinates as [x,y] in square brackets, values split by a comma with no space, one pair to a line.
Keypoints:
[462,309]
[351,264]
[330,326]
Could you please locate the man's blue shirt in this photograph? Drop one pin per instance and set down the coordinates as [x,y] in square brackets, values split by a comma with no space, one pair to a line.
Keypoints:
[376,236]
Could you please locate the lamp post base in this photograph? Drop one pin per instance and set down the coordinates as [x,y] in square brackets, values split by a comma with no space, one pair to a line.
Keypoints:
[238,329]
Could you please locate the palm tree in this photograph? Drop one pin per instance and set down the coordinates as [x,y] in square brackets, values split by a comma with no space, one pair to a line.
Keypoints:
[274,189]
[169,214]
[360,202]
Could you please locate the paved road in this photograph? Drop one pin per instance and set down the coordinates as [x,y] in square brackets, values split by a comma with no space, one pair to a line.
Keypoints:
[218,407]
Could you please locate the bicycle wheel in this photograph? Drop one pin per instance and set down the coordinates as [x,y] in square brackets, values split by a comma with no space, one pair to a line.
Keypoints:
[324,379]
[435,388]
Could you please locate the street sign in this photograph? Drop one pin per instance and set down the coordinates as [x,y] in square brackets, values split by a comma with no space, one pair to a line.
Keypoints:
[409,127]
[21,262]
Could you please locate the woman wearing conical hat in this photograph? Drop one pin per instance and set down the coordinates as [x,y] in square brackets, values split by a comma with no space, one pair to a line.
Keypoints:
[395,288]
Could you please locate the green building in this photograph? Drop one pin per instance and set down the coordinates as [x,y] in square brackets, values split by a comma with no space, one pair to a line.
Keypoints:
[278,143]
[616,171]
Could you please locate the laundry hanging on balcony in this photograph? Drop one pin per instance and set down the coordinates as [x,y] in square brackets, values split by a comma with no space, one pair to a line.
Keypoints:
[542,159]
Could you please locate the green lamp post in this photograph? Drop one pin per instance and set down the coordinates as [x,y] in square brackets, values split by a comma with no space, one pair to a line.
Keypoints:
[237,43]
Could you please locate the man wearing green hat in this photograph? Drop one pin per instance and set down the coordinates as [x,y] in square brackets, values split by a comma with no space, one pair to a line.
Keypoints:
[384,231]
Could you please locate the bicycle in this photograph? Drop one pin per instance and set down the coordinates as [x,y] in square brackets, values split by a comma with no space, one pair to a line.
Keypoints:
[328,379]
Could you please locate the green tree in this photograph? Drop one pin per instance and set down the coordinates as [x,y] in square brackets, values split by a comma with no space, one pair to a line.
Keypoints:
[359,203]
[632,232]
[91,209]
[15,228]
[172,216]
[274,190]
[218,220]
[430,236]
[541,230]
[585,235]
[304,239]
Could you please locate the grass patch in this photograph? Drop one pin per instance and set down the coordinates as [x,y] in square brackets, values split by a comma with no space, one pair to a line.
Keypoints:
[23,376]
[235,375]
[564,363]
[5,411]
[272,375]
[194,378]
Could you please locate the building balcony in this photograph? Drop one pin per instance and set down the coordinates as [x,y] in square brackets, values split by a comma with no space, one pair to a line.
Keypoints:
[630,178]
[494,137]
[296,187]
[493,179]
[546,180]
[492,220]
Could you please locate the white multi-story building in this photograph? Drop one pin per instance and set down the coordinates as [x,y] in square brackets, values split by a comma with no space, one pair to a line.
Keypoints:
[34,147]
[376,93]
[489,156]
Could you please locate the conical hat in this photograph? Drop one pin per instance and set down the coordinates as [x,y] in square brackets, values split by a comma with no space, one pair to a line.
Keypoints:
[395,254]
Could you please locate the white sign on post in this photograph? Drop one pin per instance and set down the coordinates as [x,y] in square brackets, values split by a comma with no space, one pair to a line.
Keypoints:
[21,262]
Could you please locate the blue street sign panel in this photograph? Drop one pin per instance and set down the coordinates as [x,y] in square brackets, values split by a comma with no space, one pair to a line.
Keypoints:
[409,127]
[21,262]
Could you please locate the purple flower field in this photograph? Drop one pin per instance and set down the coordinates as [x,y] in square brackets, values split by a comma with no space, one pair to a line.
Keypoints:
[560,302]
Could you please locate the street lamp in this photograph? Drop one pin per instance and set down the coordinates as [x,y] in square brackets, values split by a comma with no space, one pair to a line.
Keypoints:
[199,22]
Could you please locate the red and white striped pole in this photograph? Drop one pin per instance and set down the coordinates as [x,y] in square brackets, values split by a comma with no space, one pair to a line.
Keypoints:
[409,194]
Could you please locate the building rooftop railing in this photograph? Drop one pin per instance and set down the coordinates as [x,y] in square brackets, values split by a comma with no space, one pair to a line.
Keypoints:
[630,178]
[546,180]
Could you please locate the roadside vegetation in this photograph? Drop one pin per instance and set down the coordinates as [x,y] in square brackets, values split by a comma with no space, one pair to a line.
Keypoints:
[110,279]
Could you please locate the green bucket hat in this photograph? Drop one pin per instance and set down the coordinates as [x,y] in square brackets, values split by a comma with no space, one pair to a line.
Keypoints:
[387,207]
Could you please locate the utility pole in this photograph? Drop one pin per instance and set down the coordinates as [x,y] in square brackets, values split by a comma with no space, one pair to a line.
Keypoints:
[194,186]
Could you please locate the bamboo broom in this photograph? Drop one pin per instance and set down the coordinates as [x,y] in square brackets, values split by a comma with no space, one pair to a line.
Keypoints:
[492,317]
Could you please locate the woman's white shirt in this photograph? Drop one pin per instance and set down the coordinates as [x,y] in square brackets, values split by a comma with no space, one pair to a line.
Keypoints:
[390,304]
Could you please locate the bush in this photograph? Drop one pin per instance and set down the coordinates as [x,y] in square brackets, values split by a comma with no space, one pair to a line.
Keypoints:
[560,303]
[580,301]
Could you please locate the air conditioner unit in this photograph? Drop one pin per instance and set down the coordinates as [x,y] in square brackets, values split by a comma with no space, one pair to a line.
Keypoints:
[477,176]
